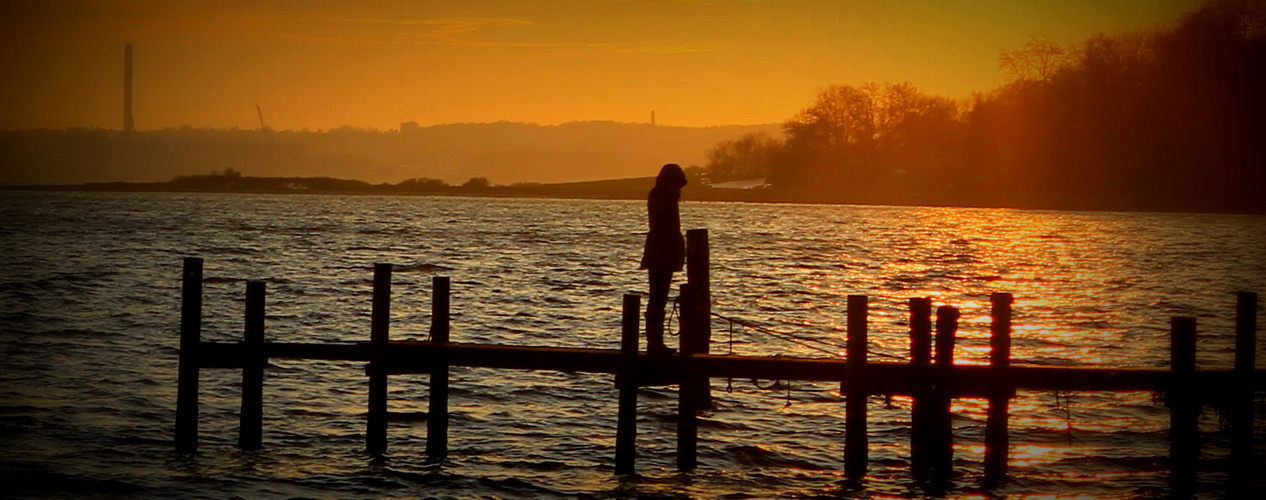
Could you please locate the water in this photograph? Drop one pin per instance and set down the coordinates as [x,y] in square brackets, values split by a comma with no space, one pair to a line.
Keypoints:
[89,307]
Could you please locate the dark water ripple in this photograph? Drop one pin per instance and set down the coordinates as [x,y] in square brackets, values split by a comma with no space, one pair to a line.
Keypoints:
[89,306]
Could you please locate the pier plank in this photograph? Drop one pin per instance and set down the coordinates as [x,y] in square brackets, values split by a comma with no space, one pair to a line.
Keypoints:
[883,377]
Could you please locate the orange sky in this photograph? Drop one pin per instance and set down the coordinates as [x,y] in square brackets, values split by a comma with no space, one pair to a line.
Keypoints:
[323,64]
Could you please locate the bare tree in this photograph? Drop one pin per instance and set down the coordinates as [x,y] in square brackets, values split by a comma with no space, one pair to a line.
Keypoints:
[1036,62]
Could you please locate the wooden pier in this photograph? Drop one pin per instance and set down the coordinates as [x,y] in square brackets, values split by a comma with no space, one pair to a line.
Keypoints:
[932,381]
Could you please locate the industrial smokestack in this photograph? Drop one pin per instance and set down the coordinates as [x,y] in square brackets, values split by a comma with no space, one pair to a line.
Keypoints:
[127,89]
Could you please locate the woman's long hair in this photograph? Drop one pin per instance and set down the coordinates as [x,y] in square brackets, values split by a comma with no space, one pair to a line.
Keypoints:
[671,176]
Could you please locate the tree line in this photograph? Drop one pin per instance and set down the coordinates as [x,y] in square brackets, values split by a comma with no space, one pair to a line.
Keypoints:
[1170,118]
[231,179]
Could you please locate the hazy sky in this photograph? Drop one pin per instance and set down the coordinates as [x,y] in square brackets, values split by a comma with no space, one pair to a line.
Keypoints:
[323,64]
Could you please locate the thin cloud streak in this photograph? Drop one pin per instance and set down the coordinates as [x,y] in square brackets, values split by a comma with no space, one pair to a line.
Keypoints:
[212,25]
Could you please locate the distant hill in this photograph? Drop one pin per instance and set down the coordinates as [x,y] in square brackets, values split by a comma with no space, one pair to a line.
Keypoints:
[506,152]
[503,152]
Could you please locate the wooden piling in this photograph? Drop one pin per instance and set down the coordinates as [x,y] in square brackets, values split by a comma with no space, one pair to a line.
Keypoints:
[687,434]
[437,409]
[997,444]
[251,427]
[921,357]
[1184,405]
[190,341]
[1242,405]
[380,320]
[687,316]
[626,417]
[698,270]
[941,433]
[694,392]
[921,331]
[696,314]
[689,391]
[856,444]
[691,341]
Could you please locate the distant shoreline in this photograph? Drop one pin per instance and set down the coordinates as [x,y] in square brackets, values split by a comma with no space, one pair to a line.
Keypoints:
[616,189]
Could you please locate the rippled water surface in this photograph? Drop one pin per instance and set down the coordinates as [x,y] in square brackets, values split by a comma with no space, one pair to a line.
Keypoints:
[89,307]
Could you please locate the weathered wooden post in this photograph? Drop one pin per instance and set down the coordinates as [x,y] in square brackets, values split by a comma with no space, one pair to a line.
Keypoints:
[921,331]
[626,382]
[437,406]
[1184,405]
[942,432]
[698,269]
[380,320]
[687,400]
[997,444]
[1242,408]
[696,314]
[856,443]
[694,393]
[251,427]
[190,340]
[921,356]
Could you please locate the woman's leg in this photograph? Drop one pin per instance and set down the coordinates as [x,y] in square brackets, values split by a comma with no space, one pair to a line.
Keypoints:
[660,282]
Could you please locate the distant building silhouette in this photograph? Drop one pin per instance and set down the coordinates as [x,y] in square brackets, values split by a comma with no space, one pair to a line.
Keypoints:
[409,127]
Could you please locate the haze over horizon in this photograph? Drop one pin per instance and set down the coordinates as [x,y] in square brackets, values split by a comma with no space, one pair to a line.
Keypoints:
[377,64]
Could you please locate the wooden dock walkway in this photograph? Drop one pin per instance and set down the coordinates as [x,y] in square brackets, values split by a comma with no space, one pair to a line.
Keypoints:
[884,378]
[933,381]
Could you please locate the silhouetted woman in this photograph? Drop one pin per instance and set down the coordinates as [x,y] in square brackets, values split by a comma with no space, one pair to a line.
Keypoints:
[665,250]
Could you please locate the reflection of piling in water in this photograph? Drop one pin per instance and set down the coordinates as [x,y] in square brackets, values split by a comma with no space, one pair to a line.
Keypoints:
[932,382]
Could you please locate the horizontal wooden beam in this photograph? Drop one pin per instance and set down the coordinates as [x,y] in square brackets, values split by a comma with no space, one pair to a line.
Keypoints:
[221,355]
[405,357]
[413,357]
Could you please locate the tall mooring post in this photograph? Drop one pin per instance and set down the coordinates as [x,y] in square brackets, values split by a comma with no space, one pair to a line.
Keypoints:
[997,443]
[626,383]
[691,389]
[921,412]
[1184,406]
[190,341]
[696,313]
[694,391]
[856,442]
[251,427]
[698,274]
[1242,407]
[380,320]
[437,406]
[941,435]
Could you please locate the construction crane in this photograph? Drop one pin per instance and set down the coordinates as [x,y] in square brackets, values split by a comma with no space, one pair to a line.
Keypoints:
[262,126]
